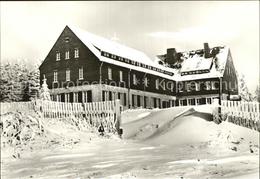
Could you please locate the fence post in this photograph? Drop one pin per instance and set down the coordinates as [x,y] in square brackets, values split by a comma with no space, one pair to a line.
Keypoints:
[118,117]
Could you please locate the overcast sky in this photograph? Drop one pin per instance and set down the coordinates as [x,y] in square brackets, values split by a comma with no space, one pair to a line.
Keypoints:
[29,29]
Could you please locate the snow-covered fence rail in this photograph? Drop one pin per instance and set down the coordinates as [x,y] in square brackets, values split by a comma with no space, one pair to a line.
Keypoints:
[241,113]
[108,112]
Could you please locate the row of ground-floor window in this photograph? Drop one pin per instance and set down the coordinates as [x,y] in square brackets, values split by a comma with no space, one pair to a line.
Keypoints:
[131,101]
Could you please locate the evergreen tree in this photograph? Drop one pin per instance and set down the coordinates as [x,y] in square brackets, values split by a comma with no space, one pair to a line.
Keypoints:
[18,82]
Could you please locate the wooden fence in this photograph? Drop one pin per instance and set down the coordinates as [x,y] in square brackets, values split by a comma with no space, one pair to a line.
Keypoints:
[242,113]
[108,113]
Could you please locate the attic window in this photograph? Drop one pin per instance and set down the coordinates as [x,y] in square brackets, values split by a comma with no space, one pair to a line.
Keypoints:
[67,39]
[57,56]
[76,53]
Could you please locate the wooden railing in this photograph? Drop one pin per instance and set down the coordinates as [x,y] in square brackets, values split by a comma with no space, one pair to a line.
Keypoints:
[241,113]
[108,112]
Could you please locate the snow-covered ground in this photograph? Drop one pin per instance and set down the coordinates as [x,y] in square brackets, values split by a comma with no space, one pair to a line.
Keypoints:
[178,142]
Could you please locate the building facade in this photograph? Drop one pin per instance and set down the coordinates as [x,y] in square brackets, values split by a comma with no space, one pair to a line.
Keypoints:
[82,67]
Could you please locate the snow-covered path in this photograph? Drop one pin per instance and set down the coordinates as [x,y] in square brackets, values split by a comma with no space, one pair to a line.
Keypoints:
[115,159]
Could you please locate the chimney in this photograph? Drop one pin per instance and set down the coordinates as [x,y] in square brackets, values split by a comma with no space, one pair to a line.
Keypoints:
[171,56]
[206,50]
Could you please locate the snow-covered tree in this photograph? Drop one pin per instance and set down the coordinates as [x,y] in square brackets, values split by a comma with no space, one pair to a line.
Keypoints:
[16,81]
[243,89]
[32,85]
[44,91]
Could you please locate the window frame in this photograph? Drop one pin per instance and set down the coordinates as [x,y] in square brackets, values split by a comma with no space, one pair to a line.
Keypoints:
[81,73]
[57,56]
[67,55]
[121,76]
[55,76]
[145,81]
[157,84]
[197,86]
[76,52]
[208,85]
[134,79]
[109,73]
[67,75]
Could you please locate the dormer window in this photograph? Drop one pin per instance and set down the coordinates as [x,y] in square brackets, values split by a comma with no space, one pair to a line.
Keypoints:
[67,55]
[76,53]
[57,56]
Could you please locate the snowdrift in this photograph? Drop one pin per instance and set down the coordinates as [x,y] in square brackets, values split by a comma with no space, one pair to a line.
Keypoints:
[21,132]
[17,128]
[186,126]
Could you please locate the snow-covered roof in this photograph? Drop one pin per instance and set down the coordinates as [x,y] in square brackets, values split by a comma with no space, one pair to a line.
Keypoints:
[196,62]
[99,44]
[194,65]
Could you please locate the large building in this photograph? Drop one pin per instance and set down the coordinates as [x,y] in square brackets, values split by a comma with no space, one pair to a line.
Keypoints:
[83,67]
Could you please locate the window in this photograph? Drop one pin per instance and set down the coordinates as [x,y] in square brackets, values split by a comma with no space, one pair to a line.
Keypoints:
[124,99]
[213,85]
[76,53]
[145,100]
[133,100]
[145,82]
[120,76]
[181,102]
[154,102]
[67,75]
[67,39]
[198,101]
[207,85]
[172,86]
[55,76]
[157,83]
[57,56]
[109,71]
[163,85]
[191,101]
[67,55]
[208,100]
[197,86]
[81,73]
[134,79]
[188,87]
